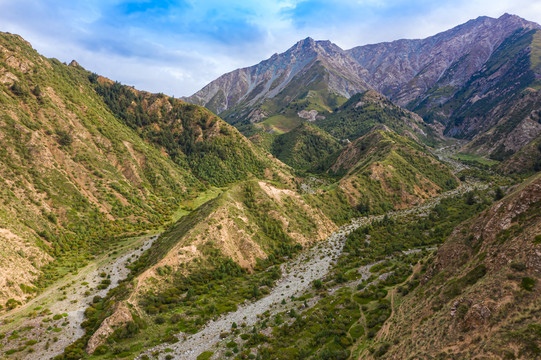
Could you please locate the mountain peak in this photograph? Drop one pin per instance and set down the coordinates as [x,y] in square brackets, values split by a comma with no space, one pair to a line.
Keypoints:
[517,20]
[310,43]
[307,40]
[509,16]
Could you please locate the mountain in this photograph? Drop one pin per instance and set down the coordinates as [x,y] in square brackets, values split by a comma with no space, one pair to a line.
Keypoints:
[479,296]
[256,92]
[72,174]
[377,173]
[403,70]
[408,70]
[460,81]
[383,170]
[192,136]
[365,110]
[85,161]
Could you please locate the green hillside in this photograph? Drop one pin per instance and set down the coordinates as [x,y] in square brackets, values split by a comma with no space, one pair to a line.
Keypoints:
[191,135]
[363,111]
[85,161]
[73,176]
[305,147]
[379,172]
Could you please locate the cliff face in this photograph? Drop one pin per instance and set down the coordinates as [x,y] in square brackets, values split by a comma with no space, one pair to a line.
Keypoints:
[407,70]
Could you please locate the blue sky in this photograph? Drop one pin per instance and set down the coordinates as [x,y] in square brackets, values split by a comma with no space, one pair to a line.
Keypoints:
[178,46]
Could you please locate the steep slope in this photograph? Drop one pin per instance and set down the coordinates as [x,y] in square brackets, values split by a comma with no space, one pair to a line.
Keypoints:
[73,177]
[518,125]
[480,294]
[379,172]
[527,159]
[493,89]
[407,70]
[192,136]
[291,74]
[305,147]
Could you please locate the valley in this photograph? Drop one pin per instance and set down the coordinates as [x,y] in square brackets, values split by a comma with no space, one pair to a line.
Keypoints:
[298,276]
[378,202]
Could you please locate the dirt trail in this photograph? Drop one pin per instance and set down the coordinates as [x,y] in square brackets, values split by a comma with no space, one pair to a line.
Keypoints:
[297,276]
[73,302]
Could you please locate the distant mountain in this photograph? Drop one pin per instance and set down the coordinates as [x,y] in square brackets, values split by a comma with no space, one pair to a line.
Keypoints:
[464,79]
[308,65]
[408,70]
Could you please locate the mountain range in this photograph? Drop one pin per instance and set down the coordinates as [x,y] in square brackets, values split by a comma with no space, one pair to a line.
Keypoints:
[464,81]
[376,202]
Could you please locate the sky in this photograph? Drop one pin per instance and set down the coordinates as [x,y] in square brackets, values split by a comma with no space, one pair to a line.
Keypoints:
[178,46]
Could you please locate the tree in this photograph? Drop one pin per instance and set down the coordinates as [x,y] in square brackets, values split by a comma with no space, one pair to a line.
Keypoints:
[499,194]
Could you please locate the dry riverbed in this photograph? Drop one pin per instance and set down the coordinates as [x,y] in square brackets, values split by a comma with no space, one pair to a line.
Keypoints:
[297,277]
[43,327]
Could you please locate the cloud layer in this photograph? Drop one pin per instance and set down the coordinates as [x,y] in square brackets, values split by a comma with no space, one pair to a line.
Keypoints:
[178,46]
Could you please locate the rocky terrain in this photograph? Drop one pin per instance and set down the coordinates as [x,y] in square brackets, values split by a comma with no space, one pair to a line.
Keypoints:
[297,277]
[56,315]
[480,295]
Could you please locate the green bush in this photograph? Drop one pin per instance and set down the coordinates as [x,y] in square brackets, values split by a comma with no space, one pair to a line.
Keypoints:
[527,283]
[205,355]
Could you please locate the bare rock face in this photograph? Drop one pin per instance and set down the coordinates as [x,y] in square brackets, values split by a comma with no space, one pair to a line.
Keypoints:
[119,318]
[253,84]
[308,115]
[477,316]
[403,70]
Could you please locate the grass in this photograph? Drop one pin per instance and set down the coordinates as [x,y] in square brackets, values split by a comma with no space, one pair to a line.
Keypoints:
[535,55]
[476,158]
[281,124]
[189,205]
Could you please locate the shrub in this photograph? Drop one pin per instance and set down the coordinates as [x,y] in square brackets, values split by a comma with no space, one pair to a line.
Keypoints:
[64,138]
[382,350]
[527,283]
[518,266]
[205,355]
[101,350]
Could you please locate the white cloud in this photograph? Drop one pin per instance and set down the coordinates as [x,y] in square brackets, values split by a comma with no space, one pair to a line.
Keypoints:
[206,40]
